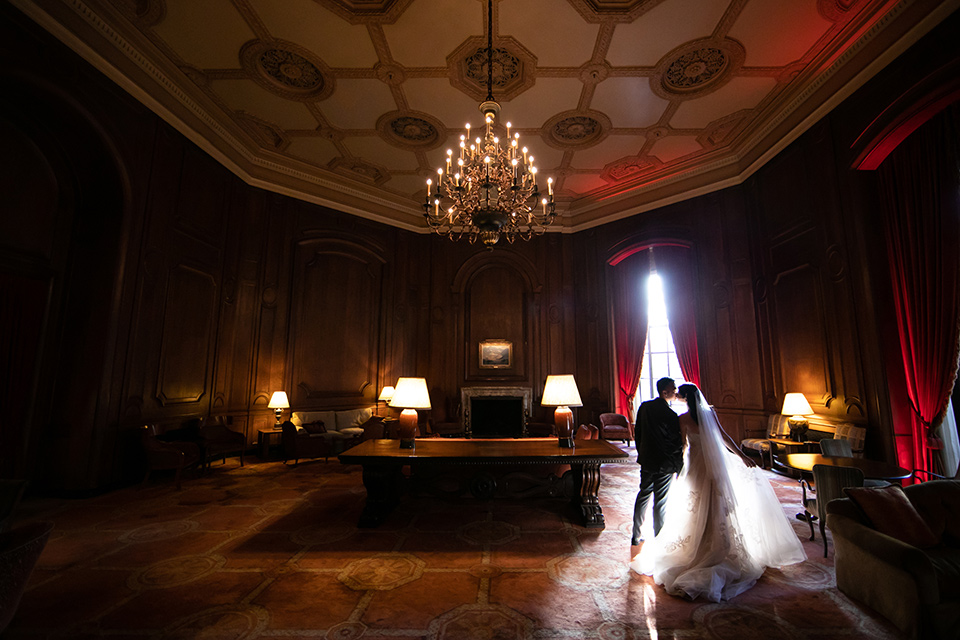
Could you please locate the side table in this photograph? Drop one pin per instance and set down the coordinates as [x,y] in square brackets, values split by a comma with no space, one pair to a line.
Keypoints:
[263,441]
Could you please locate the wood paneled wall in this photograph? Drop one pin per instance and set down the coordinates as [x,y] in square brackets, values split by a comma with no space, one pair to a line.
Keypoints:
[142,282]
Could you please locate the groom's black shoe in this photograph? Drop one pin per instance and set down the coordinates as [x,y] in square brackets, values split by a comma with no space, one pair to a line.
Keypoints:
[635,541]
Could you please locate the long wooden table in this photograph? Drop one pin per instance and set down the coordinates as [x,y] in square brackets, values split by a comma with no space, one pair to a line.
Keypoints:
[383,460]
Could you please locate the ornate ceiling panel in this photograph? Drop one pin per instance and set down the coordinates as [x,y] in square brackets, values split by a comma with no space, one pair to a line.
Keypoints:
[629,104]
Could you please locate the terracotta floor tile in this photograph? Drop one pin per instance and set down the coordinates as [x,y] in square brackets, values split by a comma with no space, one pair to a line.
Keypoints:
[307,600]
[414,605]
[159,608]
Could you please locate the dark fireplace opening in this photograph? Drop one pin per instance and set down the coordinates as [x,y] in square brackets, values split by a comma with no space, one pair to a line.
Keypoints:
[496,417]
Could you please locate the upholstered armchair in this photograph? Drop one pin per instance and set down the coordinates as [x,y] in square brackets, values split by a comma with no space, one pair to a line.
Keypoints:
[901,556]
[218,440]
[830,482]
[166,455]
[304,444]
[615,426]
[587,432]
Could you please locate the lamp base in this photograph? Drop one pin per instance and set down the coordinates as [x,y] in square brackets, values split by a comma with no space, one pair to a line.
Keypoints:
[563,419]
[408,428]
[798,428]
[279,412]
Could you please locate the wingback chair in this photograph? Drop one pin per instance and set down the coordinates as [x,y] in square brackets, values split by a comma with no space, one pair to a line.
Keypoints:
[218,440]
[166,455]
[615,426]
[830,482]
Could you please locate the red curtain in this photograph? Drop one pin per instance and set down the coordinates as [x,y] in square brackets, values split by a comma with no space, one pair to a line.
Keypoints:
[920,190]
[676,268]
[629,325]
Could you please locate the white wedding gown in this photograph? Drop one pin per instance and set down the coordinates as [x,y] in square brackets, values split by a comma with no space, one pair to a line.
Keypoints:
[723,525]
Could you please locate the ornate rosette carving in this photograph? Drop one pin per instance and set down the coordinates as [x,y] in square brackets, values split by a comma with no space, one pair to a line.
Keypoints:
[576,129]
[411,129]
[697,68]
[628,168]
[513,68]
[287,70]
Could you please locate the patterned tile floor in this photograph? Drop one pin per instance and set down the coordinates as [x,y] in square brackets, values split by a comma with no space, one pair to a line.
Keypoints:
[271,551]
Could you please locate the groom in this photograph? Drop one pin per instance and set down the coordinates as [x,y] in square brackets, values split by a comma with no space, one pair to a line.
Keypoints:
[659,453]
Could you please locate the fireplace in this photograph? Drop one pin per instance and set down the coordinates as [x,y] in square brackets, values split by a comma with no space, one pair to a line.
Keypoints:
[495,412]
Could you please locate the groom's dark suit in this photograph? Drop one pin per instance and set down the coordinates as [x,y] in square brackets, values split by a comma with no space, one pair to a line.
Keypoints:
[660,455]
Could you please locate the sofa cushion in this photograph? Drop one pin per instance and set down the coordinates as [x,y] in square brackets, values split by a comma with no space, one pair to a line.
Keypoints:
[352,418]
[327,417]
[314,427]
[352,432]
[891,512]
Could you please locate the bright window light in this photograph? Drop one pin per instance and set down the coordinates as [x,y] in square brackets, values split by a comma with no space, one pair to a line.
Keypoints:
[659,355]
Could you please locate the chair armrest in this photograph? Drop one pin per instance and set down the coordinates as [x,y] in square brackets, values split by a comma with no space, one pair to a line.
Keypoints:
[888,550]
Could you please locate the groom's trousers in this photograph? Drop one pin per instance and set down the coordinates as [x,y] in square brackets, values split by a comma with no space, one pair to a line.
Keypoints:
[656,484]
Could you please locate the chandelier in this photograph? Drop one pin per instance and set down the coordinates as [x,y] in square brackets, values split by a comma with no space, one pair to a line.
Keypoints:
[489,190]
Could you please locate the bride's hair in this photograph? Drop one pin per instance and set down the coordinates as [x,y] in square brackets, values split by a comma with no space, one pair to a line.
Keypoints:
[691,395]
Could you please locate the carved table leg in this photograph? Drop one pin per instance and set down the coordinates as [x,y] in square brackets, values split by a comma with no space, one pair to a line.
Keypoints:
[383,484]
[588,485]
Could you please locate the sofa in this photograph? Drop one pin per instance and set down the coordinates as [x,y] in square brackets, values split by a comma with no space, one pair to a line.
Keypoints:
[340,430]
[901,557]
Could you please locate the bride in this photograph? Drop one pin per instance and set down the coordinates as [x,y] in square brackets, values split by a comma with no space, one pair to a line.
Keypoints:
[723,524]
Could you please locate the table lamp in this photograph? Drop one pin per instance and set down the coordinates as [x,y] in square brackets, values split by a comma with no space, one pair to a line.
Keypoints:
[385,394]
[278,402]
[796,406]
[410,394]
[561,392]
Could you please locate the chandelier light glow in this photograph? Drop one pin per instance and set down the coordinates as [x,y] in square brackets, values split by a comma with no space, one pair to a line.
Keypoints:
[489,188]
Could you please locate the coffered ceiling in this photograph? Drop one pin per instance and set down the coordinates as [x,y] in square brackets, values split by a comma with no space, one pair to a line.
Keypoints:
[628,104]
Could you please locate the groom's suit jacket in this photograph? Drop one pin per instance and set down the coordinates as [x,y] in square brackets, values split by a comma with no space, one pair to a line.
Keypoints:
[659,443]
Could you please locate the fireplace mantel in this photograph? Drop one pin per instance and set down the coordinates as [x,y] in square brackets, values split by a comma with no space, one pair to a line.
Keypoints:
[467,394]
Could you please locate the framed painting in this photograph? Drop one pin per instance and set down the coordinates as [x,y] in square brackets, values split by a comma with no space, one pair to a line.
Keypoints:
[496,354]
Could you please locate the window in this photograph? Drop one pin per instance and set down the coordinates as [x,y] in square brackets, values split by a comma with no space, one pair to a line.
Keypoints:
[659,355]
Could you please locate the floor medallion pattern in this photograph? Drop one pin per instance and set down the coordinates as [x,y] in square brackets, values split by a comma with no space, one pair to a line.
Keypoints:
[382,572]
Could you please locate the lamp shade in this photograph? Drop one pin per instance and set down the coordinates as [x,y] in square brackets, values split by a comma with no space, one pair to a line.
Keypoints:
[386,393]
[561,391]
[410,393]
[278,400]
[795,404]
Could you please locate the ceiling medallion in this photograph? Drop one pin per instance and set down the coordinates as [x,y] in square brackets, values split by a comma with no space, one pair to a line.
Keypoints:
[411,129]
[287,70]
[490,189]
[506,67]
[694,69]
[697,68]
[576,129]
[511,63]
